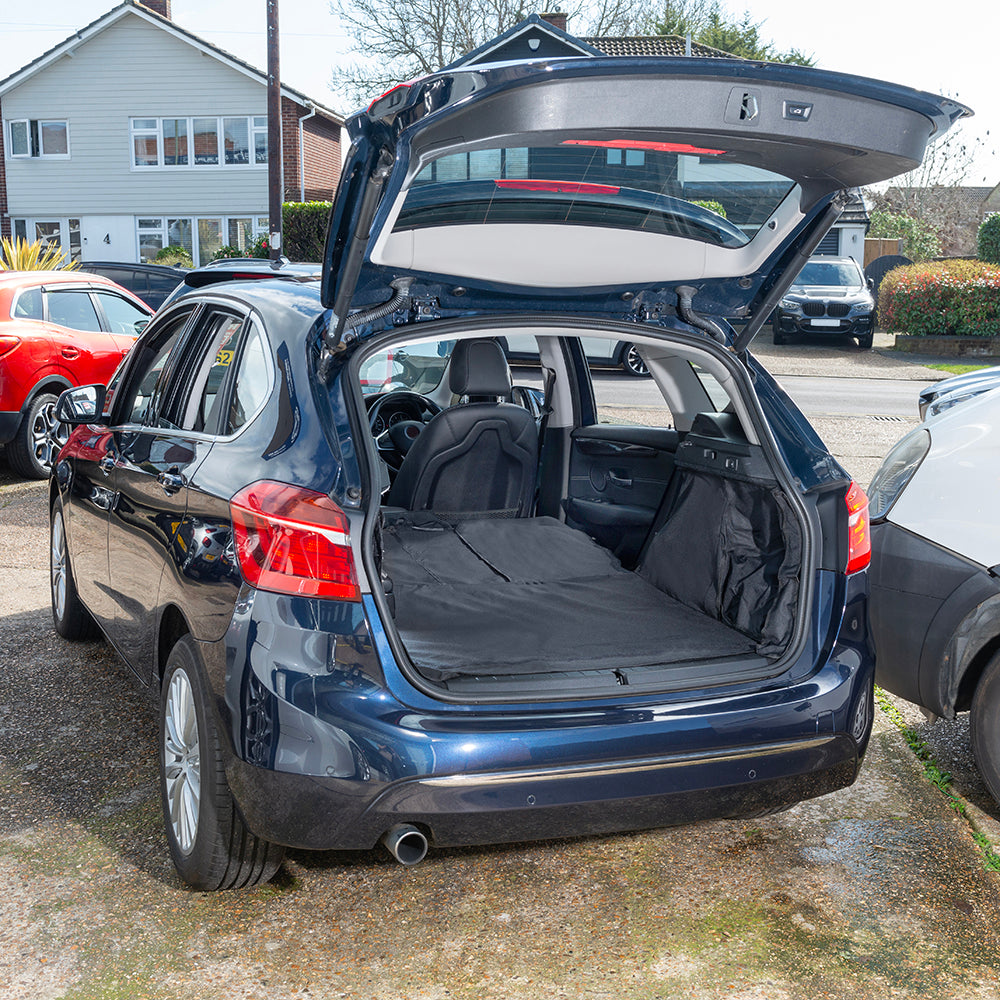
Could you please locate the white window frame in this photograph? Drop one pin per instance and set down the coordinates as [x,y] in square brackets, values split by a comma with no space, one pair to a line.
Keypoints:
[68,227]
[35,151]
[260,228]
[253,131]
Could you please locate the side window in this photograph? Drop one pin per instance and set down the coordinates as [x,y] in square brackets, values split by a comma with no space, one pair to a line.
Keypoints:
[73,308]
[29,304]
[212,355]
[144,382]
[122,315]
[253,381]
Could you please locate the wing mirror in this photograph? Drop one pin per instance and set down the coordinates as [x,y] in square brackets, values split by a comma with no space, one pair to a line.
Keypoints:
[82,405]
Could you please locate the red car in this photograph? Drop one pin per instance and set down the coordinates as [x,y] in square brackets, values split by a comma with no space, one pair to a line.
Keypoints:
[57,329]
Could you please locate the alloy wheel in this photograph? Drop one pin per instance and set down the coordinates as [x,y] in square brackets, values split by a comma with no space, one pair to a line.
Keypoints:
[182,761]
[48,435]
[634,362]
[58,565]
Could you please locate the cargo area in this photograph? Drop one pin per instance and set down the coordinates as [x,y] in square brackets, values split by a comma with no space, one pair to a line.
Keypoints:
[487,603]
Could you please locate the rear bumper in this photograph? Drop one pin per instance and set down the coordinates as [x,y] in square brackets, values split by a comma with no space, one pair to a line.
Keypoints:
[538,804]
[9,423]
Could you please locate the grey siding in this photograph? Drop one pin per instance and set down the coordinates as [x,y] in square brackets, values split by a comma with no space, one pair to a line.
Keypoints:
[132,69]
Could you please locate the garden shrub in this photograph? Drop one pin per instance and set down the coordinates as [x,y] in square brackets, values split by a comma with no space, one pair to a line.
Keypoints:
[988,242]
[175,255]
[957,297]
[304,229]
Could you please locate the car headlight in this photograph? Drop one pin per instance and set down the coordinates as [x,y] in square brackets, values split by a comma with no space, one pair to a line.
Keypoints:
[790,305]
[896,471]
[950,399]
[860,308]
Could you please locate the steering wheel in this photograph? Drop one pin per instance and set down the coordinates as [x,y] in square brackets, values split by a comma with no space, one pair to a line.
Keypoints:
[396,420]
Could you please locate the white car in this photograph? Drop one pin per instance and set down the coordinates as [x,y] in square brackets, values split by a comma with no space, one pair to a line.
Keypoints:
[935,565]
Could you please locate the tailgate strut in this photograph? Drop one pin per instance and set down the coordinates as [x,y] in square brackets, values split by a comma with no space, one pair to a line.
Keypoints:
[821,227]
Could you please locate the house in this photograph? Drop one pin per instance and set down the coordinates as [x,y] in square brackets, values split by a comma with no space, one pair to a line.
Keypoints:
[955,210]
[544,36]
[134,134]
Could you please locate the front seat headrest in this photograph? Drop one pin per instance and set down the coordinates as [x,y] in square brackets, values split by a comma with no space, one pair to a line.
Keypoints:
[479,368]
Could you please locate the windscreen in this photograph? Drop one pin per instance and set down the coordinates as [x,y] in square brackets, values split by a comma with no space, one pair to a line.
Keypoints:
[662,187]
[830,273]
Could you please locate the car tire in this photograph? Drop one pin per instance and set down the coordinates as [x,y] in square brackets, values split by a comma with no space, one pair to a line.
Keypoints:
[865,342]
[70,618]
[209,842]
[632,363]
[985,726]
[39,437]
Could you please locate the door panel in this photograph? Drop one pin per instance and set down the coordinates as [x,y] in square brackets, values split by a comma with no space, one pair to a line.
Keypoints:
[618,476]
[151,479]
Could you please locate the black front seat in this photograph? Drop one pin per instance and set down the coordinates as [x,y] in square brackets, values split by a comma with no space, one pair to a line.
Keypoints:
[476,458]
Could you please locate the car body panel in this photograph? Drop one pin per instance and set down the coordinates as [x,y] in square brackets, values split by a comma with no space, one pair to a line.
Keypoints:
[856,132]
[950,498]
[51,357]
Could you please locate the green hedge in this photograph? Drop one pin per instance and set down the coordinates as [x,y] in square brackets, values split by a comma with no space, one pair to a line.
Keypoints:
[304,229]
[988,242]
[960,297]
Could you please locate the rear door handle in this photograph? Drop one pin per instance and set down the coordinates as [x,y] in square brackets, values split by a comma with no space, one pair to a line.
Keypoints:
[617,480]
[70,353]
[171,481]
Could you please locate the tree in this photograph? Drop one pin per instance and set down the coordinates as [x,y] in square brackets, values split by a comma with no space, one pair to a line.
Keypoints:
[396,42]
[935,193]
[709,23]
[920,240]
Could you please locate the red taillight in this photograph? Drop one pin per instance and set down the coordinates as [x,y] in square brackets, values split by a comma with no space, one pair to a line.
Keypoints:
[560,187]
[859,542]
[293,541]
[8,343]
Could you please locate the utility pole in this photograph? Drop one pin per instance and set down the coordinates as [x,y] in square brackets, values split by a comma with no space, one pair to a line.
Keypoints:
[274,181]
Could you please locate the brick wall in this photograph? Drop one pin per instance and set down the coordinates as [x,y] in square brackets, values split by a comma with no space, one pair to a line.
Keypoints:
[5,226]
[321,149]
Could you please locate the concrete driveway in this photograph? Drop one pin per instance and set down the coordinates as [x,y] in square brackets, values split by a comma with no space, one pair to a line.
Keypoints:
[876,891]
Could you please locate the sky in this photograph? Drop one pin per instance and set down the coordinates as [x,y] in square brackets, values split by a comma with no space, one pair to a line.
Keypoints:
[948,49]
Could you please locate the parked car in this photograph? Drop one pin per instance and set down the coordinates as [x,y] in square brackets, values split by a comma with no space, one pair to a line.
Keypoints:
[57,329]
[830,296]
[957,389]
[600,353]
[936,551]
[150,282]
[382,602]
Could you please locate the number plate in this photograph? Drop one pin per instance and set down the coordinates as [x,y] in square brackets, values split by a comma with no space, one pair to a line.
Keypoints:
[824,322]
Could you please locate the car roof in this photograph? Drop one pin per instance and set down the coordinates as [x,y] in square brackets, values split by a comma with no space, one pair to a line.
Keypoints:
[54,278]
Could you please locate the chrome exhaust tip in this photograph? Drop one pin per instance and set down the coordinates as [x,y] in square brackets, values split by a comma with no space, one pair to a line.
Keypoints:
[406,844]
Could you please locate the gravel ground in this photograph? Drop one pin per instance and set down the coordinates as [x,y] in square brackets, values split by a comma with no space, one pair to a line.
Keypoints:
[873,892]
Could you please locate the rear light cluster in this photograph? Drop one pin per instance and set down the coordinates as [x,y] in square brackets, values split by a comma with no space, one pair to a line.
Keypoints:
[293,541]
[859,541]
[8,343]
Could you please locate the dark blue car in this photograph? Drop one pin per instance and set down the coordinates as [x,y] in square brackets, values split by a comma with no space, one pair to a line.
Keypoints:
[386,595]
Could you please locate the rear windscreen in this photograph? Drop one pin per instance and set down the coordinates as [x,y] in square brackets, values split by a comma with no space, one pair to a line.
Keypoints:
[662,187]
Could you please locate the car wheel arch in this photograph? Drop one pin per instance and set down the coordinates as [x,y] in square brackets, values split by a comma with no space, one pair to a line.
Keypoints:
[173,627]
[949,676]
[56,384]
